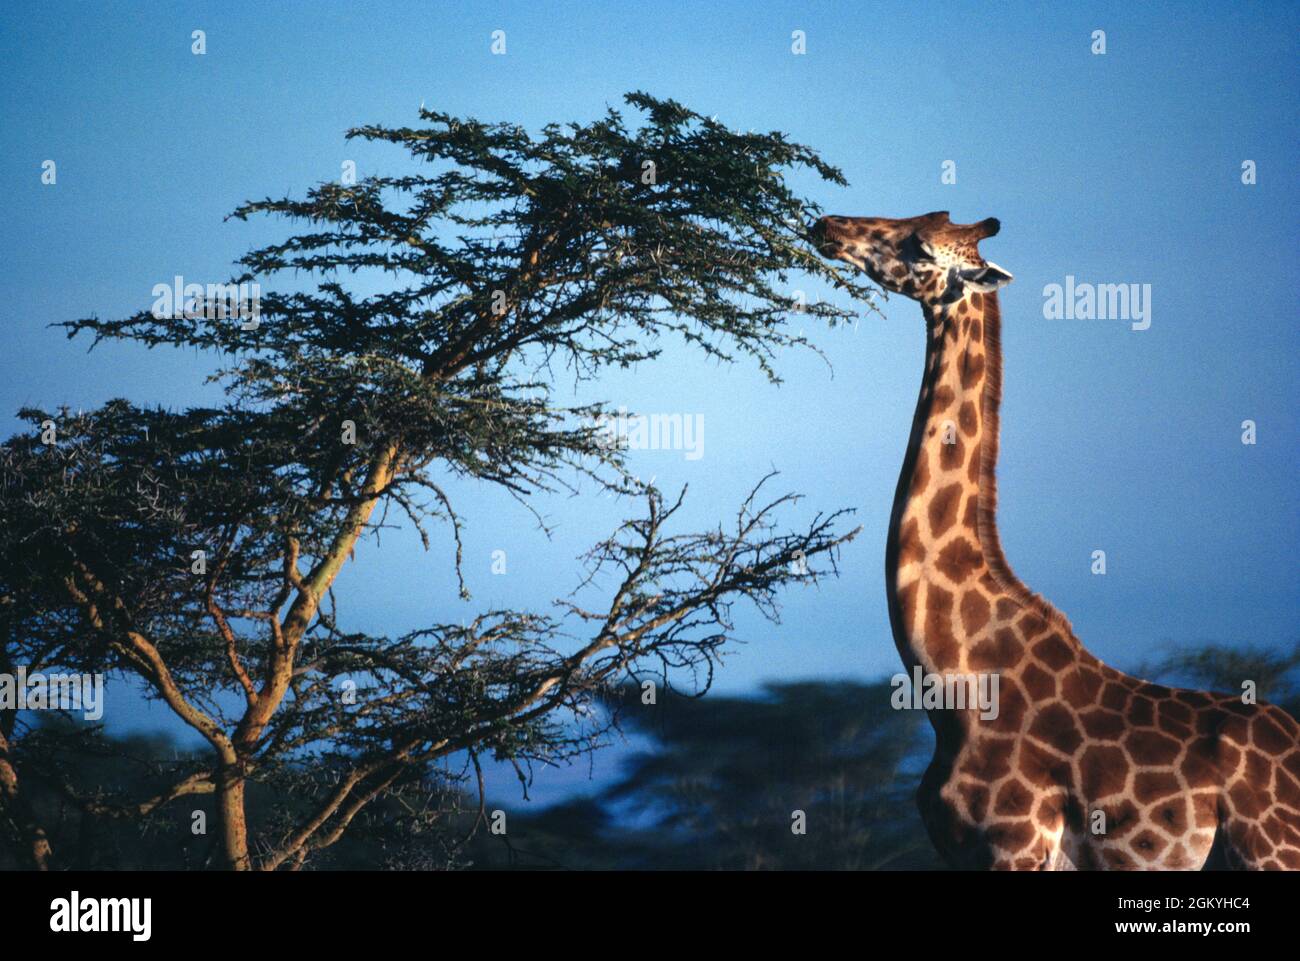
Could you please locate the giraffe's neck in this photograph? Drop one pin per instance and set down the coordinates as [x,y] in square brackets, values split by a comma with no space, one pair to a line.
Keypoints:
[944,563]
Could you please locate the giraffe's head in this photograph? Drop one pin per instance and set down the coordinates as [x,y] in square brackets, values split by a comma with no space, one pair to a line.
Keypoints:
[927,258]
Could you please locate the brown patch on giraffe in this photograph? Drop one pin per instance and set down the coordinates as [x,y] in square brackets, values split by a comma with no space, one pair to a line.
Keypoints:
[1103,771]
[1055,727]
[1151,748]
[1269,737]
[1177,859]
[1274,829]
[1114,697]
[1205,810]
[1200,765]
[1006,609]
[972,370]
[1175,718]
[1122,818]
[988,759]
[1015,836]
[1242,711]
[1054,652]
[967,420]
[1013,800]
[1080,687]
[1040,685]
[1245,803]
[1229,757]
[910,548]
[974,614]
[1117,860]
[1042,767]
[1194,699]
[1234,727]
[1290,817]
[1050,811]
[1250,842]
[1205,722]
[1292,763]
[1176,728]
[1148,844]
[976,330]
[1258,774]
[1176,712]
[1011,709]
[940,643]
[942,398]
[973,468]
[1031,625]
[1260,840]
[976,797]
[1151,786]
[943,509]
[1088,859]
[1102,725]
[1171,816]
[977,299]
[971,517]
[1140,711]
[1288,791]
[959,560]
[920,474]
[1284,721]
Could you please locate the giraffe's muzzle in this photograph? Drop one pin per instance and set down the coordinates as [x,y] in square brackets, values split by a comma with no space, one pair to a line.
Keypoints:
[819,236]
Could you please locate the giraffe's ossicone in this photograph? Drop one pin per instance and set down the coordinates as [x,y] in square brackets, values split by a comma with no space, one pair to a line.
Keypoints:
[1083,766]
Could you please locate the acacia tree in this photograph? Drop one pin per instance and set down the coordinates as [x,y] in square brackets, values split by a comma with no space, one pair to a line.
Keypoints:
[196,550]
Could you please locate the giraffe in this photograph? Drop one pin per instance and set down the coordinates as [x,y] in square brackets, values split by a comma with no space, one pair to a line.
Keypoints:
[1083,767]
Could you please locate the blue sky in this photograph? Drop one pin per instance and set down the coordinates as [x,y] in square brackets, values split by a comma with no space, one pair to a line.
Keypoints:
[1121,168]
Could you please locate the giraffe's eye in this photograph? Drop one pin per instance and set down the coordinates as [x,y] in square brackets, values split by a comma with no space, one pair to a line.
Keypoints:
[915,249]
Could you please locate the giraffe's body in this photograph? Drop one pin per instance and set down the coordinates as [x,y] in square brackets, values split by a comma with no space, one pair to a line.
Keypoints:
[1171,771]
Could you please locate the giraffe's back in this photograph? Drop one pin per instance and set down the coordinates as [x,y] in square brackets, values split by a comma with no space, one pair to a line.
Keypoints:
[1086,767]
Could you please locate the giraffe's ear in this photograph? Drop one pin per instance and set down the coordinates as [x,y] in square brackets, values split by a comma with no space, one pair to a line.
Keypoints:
[986,278]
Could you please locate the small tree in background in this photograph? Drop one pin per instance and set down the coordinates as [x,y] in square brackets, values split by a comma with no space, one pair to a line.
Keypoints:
[727,775]
[196,550]
[1274,675]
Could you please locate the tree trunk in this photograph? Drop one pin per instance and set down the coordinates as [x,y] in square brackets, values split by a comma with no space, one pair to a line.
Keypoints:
[230,816]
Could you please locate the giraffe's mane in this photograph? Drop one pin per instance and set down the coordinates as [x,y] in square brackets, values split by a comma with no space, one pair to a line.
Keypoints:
[986,517]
